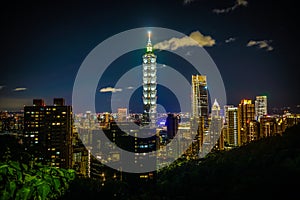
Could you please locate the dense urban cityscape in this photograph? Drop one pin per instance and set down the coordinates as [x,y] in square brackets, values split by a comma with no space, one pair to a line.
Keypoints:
[152,100]
[54,136]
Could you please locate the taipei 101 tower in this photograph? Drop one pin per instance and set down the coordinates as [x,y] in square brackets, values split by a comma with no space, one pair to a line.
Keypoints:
[149,85]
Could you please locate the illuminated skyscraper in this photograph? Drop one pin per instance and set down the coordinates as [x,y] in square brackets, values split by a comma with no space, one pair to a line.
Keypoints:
[245,116]
[200,98]
[226,113]
[149,85]
[261,108]
[232,136]
[216,124]
[199,115]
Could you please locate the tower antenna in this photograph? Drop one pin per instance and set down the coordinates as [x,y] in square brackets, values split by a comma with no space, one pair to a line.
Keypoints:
[149,36]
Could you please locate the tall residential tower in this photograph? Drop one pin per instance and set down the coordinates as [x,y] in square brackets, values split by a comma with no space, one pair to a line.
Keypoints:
[48,132]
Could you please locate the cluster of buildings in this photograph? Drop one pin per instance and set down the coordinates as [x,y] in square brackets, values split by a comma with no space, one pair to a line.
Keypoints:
[55,136]
[47,133]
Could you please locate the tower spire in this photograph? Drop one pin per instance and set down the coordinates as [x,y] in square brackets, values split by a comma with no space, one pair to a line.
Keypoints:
[149,44]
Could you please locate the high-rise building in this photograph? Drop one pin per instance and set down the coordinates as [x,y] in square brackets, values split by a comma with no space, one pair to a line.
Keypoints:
[200,98]
[172,122]
[253,131]
[48,132]
[261,107]
[232,136]
[199,114]
[149,85]
[246,114]
[226,113]
[215,125]
[267,126]
[122,114]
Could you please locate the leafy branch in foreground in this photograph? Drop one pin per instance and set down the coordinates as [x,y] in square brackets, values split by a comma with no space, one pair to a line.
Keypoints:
[19,181]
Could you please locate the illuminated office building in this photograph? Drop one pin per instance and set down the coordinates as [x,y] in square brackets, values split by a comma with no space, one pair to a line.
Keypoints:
[232,135]
[199,114]
[246,114]
[149,85]
[261,107]
[48,132]
[226,113]
[200,98]
[253,130]
[215,125]
[268,126]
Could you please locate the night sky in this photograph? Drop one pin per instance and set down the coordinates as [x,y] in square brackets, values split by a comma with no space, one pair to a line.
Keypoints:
[43,44]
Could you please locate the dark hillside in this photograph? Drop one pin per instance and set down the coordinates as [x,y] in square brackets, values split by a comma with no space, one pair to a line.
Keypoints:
[266,168]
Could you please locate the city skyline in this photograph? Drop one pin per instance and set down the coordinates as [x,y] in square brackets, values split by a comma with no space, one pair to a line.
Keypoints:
[44,46]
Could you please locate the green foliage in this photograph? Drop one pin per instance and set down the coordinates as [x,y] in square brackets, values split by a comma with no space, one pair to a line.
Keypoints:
[19,181]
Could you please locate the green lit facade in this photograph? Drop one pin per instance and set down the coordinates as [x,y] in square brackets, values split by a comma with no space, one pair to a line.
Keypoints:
[149,85]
